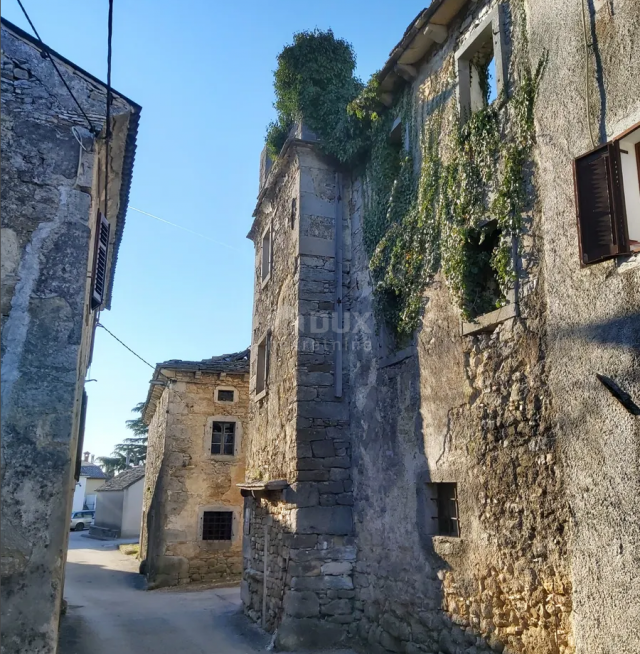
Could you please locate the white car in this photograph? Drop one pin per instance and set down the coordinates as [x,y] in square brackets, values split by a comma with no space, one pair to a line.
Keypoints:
[82,519]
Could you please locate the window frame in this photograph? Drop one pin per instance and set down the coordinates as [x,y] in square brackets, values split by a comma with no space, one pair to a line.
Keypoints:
[491,27]
[213,511]
[100,263]
[262,365]
[435,498]
[621,245]
[225,388]
[267,233]
[207,442]
[223,434]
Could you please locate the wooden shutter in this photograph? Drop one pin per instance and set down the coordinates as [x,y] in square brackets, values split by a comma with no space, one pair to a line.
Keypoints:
[602,222]
[99,279]
[83,420]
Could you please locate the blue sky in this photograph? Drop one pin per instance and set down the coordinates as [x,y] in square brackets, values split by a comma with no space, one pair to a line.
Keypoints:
[202,72]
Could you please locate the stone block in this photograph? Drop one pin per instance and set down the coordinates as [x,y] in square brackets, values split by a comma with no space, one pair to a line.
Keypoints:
[301,493]
[302,541]
[331,487]
[323,448]
[337,607]
[304,568]
[337,474]
[324,410]
[301,604]
[337,568]
[313,475]
[307,633]
[345,498]
[309,464]
[314,378]
[335,520]
[337,462]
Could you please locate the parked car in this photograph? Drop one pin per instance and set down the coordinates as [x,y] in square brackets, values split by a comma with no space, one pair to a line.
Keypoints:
[82,519]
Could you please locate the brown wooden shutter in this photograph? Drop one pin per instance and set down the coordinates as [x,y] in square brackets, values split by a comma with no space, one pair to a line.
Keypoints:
[602,222]
[99,281]
[83,420]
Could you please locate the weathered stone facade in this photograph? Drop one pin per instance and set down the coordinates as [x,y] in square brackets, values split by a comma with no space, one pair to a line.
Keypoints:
[511,413]
[53,187]
[185,478]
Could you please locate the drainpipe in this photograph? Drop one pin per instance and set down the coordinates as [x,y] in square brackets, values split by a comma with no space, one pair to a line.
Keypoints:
[339,312]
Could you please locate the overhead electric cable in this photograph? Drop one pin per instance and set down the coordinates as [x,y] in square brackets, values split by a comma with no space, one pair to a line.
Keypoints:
[99,324]
[46,53]
[186,229]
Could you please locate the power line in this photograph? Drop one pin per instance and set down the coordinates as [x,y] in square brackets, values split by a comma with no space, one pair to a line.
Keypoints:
[125,345]
[46,53]
[162,220]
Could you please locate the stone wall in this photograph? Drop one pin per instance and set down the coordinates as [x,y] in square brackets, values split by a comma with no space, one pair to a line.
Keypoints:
[308,592]
[471,410]
[49,197]
[184,479]
[593,314]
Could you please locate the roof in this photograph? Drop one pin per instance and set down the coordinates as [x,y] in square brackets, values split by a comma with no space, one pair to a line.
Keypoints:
[415,41]
[236,363]
[92,471]
[130,141]
[123,480]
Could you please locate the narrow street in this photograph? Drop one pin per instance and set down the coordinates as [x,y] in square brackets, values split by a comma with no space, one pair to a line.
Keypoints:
[109,610]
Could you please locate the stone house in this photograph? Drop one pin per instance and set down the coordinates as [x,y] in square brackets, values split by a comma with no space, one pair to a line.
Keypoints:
[119,505]
[192,508]
[476,489]
[61,231]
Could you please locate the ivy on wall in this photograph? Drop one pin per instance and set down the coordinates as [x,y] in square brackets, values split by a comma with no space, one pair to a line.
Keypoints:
[449,198]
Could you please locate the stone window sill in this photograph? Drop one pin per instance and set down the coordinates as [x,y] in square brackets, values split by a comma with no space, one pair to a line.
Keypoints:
[628,263]
[489,321]
[447,544]
[260,395]
[224,458]
[217,545]
[265,281]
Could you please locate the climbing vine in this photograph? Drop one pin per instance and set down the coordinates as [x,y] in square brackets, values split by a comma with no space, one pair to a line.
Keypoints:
[448,195]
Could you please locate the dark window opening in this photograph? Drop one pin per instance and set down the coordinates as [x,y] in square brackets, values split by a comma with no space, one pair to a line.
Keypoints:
[262,364]
[294,212]
[266,256]
[225,396]
[223,438]
[445,516]
[483,292]
[217,525]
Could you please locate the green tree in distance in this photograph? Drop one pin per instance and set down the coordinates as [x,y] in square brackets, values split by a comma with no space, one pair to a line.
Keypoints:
[133,449]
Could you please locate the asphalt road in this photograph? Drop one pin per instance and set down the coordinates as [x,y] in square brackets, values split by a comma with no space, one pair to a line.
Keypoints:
[109,611]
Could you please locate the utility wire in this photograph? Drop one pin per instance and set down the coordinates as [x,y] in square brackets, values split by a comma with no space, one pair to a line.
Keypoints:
[162,220]
[46,53]
[125,345]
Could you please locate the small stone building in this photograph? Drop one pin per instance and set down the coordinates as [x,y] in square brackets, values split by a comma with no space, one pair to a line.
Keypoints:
[119,505]
[475,488]
[192,508]
[65,187]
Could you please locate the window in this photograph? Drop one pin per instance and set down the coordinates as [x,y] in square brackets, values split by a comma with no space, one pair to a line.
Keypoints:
[484,290]
[223,438]
[294,212]
[262,364]
[607,188]
[481,70]
[217,525]
[99,272]
[265,256]
[443,509]
[226,395]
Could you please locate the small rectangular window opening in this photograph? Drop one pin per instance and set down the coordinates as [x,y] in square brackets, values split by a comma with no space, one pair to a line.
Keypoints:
[443,509]
[223,438]
[483,291]
[217,525]
[225,396]
[484,88]
[265,265]
[262,364]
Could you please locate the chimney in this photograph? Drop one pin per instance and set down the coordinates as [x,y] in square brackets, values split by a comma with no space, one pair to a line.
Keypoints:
[86,457]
